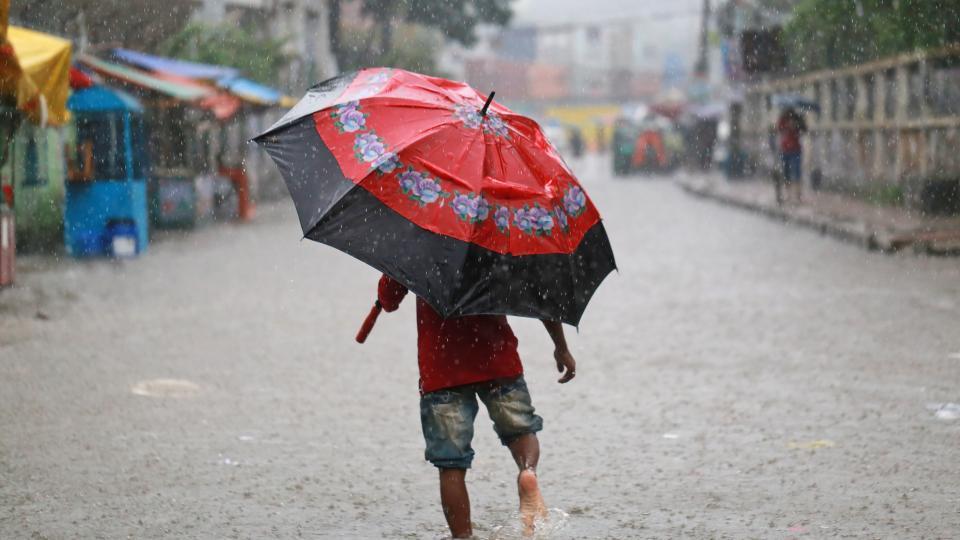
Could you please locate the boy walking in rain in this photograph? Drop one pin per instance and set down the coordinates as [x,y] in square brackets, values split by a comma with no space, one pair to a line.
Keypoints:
[462,359]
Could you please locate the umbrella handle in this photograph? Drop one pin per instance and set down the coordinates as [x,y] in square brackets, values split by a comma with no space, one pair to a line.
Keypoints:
[368,323]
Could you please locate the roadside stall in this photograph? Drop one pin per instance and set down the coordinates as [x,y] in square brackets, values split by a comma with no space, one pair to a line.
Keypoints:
[9,119]
[106,203]
[198,116]
[180,188]
[224,152]
[33,86]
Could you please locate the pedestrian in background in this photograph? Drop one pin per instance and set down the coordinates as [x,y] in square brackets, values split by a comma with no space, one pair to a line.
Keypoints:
[790,127]
[576,142]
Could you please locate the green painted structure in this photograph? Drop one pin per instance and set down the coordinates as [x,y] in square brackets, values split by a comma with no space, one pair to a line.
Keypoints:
[36,168]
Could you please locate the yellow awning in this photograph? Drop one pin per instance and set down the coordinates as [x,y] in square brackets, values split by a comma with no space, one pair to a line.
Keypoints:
[35,70]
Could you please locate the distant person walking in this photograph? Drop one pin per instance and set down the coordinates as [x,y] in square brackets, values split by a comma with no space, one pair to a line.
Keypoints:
[601,138]
[576,142]
[790,127]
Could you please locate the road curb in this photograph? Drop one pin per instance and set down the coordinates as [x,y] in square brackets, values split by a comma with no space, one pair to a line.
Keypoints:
[939,243]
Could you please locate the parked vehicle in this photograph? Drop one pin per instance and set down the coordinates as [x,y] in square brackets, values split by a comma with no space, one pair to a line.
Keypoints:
[650,145]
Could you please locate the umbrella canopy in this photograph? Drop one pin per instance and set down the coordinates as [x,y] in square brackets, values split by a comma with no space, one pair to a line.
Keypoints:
[795,101]
[224,77]
[222,105]
[709,110]
[134,77]
[35,70]
[470,208]
[183,68]
[98,99]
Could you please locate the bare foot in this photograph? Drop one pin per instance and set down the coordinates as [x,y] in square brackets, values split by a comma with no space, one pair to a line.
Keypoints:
[531,501]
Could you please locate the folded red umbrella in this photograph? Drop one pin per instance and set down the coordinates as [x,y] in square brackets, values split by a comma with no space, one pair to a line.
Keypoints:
[461,200]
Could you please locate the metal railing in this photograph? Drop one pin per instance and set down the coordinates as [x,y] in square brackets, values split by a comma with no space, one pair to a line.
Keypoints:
[891,122]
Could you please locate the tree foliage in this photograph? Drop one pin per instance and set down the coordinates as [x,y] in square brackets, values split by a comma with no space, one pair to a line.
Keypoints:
[455,19]
[413,49]
[831,33]
[139,24]
[758,15]
[261,59]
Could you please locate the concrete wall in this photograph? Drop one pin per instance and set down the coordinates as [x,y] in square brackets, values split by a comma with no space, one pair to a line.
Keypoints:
[37,170]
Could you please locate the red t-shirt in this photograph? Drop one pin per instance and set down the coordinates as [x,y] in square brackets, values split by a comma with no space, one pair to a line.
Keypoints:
[790,130]
[459,350]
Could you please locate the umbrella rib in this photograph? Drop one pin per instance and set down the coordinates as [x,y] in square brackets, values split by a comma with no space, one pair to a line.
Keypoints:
[385,101]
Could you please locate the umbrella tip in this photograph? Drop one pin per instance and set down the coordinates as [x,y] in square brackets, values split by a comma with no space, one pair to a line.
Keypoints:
[483,111]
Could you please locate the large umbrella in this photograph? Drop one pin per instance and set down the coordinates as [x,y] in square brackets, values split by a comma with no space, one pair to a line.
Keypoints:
[459,199]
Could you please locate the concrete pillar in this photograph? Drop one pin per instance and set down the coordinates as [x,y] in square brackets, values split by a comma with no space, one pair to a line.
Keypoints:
[879,148]
[325,63]
[860,112]
[305,24]
[212,11]
[860,137]
[925,148]
[902,101]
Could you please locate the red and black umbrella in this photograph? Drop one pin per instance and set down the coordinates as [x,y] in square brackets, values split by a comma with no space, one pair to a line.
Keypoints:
[459,199]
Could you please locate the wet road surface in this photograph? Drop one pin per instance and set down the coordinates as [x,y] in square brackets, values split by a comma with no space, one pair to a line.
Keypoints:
[737,379]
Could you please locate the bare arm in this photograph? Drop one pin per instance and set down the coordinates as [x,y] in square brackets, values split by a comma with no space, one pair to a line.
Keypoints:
[560,352]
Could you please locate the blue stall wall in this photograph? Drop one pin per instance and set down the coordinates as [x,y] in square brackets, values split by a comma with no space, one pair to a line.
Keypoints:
[92,205]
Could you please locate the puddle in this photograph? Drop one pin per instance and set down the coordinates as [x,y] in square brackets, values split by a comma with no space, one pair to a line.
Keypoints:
[811,445]
[945,411]
[221,460]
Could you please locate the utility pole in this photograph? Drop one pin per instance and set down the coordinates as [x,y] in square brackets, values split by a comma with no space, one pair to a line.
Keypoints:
[702,67]
[83,39]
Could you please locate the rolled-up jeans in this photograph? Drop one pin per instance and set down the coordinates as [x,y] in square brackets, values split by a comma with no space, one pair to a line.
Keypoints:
[447,417]
[792,162]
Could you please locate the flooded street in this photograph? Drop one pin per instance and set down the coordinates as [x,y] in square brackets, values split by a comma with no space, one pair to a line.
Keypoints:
[737,379]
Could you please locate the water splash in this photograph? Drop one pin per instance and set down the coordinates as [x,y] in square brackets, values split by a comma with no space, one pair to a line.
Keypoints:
[544,528]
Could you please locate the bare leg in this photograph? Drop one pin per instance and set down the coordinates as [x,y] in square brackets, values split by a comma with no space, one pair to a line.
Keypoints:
[526,452]
[456,502]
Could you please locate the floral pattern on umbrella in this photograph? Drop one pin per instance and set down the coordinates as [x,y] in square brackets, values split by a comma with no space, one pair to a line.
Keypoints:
[535,220]
[420,187]
[502,219]
[470,207]
[562,220]
[492,123]
[370,148]
[349,118]
[574,201]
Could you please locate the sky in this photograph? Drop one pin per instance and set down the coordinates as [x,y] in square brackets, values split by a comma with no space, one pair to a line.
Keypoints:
[561,11]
